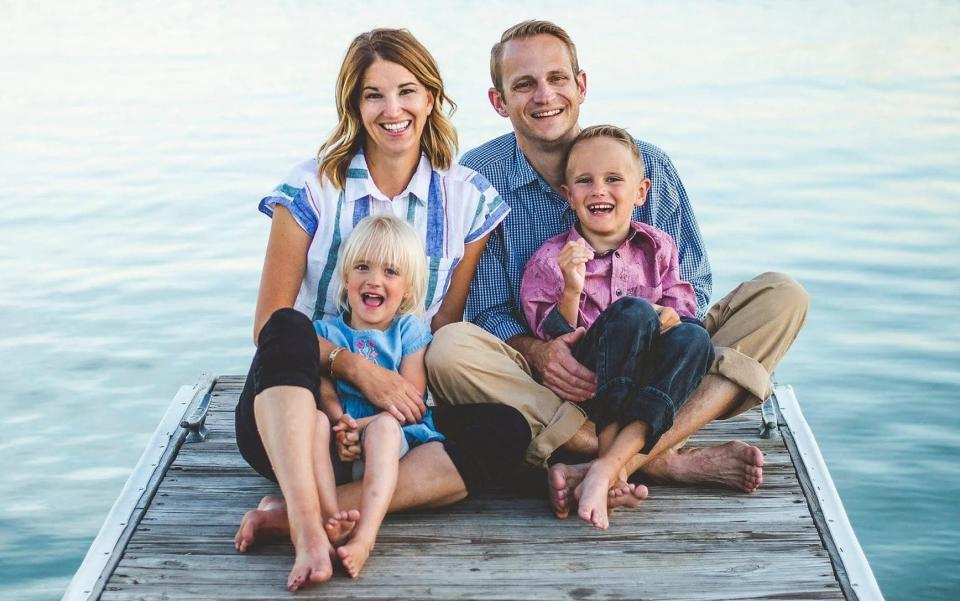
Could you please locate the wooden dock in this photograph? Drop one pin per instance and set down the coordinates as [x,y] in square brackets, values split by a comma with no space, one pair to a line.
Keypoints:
[170,536]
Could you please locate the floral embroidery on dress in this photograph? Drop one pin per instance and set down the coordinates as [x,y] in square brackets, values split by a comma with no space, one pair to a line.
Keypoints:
[367,350]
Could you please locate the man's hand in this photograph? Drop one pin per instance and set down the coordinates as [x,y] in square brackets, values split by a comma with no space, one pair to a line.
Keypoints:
[560,372]
[668,317]
[391,392]
[347,433]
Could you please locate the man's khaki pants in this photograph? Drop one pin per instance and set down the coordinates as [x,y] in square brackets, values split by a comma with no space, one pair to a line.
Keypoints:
[751,328]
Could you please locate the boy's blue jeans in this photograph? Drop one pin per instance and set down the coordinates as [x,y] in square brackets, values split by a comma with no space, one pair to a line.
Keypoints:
[642,374]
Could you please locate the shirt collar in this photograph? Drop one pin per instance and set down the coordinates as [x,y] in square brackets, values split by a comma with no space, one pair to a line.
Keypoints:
[635,229]
[360,184]
[522,173]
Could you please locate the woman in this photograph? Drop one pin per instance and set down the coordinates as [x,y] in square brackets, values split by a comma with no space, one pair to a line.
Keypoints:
[392,152]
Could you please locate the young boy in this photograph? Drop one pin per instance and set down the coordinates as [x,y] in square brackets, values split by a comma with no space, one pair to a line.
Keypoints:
[620,280]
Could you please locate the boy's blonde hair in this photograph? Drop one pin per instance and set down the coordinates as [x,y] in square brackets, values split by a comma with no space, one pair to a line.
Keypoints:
[613,132]
[439,138]
[387,240]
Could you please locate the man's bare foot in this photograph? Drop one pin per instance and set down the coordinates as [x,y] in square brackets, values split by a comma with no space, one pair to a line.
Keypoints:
[268,520]
[564,479]
[592,495]
[353,555]
[312,565]
[735,465]
[340,525]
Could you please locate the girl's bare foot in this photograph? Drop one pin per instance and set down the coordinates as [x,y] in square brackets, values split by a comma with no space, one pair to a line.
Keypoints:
[257,524]
[592,495]
[312,564]
[340,525]
[353,555]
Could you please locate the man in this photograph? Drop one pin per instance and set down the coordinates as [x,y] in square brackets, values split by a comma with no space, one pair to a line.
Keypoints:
[538,86]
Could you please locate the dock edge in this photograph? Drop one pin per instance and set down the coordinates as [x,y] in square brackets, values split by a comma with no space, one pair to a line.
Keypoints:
[107,548]
[853,570]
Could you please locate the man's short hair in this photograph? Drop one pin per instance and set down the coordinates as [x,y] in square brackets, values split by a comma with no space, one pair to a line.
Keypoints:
[522,31]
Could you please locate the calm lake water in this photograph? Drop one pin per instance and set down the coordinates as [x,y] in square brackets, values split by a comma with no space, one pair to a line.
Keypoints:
[821,140]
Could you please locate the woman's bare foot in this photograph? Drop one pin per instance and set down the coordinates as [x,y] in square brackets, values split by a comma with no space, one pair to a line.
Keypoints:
[592,497]
[354,554]
[564,479]
[312,565]
[735,465]
[340,525]
[268,520]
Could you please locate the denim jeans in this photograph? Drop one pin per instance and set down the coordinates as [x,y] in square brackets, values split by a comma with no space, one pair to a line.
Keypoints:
[642,375]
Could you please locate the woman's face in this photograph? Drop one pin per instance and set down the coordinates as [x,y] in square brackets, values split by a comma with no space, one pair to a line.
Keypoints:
[394,107]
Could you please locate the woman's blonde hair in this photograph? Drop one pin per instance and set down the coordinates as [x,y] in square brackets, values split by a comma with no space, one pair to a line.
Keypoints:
[387,240]
[439,138]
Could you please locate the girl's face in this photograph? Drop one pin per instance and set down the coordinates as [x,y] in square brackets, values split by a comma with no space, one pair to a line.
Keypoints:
[603,185]
[394,107]
[374,293]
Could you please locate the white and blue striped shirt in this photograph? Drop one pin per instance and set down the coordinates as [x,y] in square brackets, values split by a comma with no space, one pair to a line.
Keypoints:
[448,208]
[538,213]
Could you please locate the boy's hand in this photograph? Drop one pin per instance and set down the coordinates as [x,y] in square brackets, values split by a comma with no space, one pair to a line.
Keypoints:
[347,432]
[572,260]
[668,317]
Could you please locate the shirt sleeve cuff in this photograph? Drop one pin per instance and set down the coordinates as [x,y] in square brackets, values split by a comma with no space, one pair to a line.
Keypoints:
[554,324]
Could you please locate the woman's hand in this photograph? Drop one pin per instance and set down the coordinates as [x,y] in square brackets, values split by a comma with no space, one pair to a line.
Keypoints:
[347,432]
[668,317]
[385,389]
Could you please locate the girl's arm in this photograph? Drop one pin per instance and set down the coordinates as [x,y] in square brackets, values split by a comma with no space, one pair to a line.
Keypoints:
[283,267]
[451,308]
[414,370]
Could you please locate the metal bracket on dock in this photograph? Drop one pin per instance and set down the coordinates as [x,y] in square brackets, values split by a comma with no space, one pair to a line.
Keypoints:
[769,416]
[196,423]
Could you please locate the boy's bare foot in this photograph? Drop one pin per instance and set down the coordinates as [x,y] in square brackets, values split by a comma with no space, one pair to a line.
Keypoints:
[735,465]
[269,519]
[564,479]
[353,555]
[592,495]
[625,494]
[340,525]
[312,564]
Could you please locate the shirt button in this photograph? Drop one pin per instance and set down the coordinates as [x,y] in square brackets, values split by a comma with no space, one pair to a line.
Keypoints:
[619,292]
[616,254]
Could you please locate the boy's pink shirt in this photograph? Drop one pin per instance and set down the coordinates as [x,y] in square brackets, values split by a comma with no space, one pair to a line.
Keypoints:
[646,266]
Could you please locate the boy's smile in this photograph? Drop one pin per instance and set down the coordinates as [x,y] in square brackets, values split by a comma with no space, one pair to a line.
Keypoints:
[603,185]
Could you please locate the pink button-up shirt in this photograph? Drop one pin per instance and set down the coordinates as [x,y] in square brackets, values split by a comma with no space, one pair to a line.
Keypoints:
[646,266]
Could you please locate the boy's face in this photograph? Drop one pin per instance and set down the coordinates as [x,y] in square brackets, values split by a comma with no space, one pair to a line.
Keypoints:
[541,93]
[603,185]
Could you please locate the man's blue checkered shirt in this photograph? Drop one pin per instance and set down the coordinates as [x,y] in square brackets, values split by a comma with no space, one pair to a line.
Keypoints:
[538,213]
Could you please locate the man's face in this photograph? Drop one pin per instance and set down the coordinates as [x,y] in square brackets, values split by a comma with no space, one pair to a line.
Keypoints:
[541,94]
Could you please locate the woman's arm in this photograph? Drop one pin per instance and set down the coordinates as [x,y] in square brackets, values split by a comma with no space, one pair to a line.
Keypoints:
[283,267]
[451,308]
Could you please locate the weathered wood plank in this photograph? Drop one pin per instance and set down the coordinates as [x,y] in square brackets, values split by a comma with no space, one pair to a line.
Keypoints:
[683,543]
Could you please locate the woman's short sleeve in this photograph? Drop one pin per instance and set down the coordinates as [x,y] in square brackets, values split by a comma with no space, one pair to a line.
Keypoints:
[414,334]
[488,210]
[295,194]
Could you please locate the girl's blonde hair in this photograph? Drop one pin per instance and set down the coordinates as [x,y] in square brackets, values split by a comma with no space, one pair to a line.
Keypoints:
[387,240]
[439,138]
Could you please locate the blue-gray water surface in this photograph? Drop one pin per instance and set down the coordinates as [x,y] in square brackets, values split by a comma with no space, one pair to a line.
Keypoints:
[820,139]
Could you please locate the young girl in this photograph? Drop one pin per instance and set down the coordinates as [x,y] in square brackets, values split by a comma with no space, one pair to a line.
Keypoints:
[382,291]
[620,280]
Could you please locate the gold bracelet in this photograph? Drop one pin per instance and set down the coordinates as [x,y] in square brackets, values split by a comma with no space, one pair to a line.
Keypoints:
[330,359]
